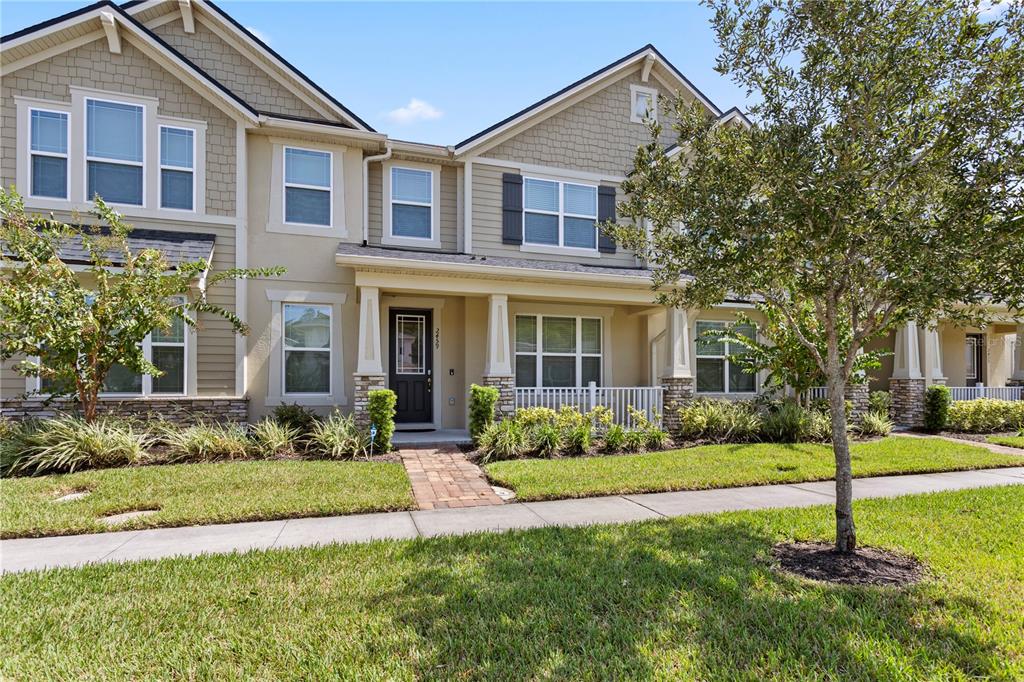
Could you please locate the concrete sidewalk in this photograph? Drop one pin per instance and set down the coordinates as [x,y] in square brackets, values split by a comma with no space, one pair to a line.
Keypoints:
[75,550]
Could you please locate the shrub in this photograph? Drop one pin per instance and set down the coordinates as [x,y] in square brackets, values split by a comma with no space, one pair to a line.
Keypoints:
[544,439]
[634,441]
[296,417]
[817,426]
[719,421]
[602,418]
[69,444]
[879,402]
[569,418]
[578,439]
[381,408]
[785,423]
[875,424]
[530,417]
[337,437]
[482,400]
[206,442]
[936,407]
[655,438]
[270,437]
[614,438]
[986,415]
[503,440]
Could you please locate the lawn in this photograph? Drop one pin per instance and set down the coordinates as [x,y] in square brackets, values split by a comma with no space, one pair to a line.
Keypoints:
[189,494]
[688,598]
[1009,441]
[720,466]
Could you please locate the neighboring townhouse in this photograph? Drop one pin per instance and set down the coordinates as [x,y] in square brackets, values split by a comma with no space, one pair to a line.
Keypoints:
[417,267]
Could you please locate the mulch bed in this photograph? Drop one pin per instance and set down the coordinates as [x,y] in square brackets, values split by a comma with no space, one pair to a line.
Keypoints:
[864,566]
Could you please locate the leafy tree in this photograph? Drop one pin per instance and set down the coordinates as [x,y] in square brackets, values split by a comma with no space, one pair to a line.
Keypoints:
[879,183]
[75,326]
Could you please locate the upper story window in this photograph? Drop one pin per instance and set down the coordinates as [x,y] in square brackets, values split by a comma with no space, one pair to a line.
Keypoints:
[716,373]
[48,149]
[307,348]
[177,168]
[307,186]
[114,151]
[412,201]
[643,104]
[559,213]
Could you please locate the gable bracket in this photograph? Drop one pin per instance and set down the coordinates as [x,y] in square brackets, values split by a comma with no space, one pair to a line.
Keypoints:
[187,19]
[648,65]
[110,28]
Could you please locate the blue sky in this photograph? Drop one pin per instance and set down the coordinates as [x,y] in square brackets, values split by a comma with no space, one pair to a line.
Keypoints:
[439,72]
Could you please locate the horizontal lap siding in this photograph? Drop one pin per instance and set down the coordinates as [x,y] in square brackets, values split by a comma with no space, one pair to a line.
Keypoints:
[449,205]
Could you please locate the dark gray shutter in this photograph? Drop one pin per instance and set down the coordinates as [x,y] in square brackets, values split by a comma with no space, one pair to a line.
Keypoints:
[605,211]
[511,208]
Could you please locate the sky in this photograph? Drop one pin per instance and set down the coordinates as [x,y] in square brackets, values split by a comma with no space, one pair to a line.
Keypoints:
[440,72]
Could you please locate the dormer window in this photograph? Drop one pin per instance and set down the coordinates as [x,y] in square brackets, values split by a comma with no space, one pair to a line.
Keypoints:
[643,104]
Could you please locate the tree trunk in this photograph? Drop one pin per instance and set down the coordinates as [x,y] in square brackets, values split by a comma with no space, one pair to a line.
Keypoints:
[89,399]
[846,534]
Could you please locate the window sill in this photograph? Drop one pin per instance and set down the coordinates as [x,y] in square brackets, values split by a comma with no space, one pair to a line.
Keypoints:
[560,250]
[334,232]
[414,242]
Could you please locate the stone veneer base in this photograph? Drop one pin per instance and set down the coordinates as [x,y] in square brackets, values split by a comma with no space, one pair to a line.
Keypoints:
[364,383]
[907,401]
[177,410]
[678,392]
[858,396]
[506,385]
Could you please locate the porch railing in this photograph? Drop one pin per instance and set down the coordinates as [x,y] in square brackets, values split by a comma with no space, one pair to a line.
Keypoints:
[995,392]
[818,392]
[645,399]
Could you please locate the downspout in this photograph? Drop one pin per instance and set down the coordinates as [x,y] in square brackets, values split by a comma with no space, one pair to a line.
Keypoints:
[366,188]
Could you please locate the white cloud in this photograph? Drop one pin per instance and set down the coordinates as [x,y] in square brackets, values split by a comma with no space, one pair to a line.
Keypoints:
[415,110]
[987,8]
[258,33]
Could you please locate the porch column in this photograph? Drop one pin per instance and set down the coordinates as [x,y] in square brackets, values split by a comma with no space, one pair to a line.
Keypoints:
[677,375]
[369,374]
[932,356]
[907,383]
[498,364]
[1018,357]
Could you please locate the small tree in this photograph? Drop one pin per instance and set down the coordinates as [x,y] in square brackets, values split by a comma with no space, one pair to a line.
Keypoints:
[72,327]
[880,182]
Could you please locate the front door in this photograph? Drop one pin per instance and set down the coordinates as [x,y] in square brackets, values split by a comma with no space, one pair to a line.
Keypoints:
[411,365]
[974,358]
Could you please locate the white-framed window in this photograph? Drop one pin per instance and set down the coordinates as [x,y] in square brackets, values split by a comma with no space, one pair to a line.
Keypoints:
[177,168]
[412,203]
[308,185]
[643,104]
[307,349]
[557,213]
[48,153]
[715,372]
[558,350]
[114,151]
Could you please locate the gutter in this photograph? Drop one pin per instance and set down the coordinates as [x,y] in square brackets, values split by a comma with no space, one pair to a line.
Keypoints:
[366,187]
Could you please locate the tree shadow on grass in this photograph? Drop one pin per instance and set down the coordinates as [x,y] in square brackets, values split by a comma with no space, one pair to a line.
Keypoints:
[666,600]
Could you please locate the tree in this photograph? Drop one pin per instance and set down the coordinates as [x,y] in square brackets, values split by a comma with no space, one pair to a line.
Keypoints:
[72,327]
[879,182]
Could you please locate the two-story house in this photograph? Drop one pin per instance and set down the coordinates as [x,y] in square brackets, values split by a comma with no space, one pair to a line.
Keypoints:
[417,267]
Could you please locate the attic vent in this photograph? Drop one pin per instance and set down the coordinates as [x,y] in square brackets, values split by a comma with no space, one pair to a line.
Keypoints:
[643,104]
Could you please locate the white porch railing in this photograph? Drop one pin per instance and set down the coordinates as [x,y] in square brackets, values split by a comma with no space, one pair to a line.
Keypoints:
[818,392]
[994,392]
[645,399]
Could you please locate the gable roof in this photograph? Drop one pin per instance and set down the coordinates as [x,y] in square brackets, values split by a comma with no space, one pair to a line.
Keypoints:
[620,65]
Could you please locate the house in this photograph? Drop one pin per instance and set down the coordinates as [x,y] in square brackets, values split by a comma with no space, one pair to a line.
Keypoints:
[418,267]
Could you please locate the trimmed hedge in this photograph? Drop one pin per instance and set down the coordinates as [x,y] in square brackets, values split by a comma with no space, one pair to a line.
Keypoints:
[986,415]
[381,408]
[482,400]
[936,407]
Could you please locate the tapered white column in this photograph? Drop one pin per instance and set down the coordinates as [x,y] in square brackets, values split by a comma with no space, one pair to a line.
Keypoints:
[932,356]
[499,358]
[677,342]
[906,362]
[369,361]
[1018,359]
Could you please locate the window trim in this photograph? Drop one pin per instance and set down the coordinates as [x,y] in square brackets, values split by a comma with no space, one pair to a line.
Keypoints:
[285,185]
[635,90]
[560,247]
[725,358]
[285,349]
[161,167]
[387,236]
[539,353]
[66,155]
[137,164]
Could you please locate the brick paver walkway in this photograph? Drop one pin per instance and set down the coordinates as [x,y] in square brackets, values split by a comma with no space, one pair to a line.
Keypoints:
[442,478]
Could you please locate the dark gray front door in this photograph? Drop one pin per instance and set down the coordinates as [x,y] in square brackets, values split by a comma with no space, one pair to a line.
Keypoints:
[974,358]
[411,365]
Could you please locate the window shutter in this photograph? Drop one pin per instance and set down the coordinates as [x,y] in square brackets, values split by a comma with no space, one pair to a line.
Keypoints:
[605,211]
[511,208]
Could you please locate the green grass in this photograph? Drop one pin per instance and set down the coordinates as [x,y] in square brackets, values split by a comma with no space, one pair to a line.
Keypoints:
[189,494]
[1009,441]
[720,466]
[689,598]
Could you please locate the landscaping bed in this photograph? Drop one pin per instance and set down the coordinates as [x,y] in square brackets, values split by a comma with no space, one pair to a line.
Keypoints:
[729,465]
[189,494]
[688,598]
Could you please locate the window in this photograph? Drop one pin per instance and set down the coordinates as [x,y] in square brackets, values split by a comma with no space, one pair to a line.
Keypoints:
[307,348]
[307,187]
[114,151]
[558,351]
[412,203]
[559,213]
[177,168]
[715,372]
[643,104]
[48,152]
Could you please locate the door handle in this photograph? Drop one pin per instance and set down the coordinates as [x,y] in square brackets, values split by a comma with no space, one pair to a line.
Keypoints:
[430,382]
